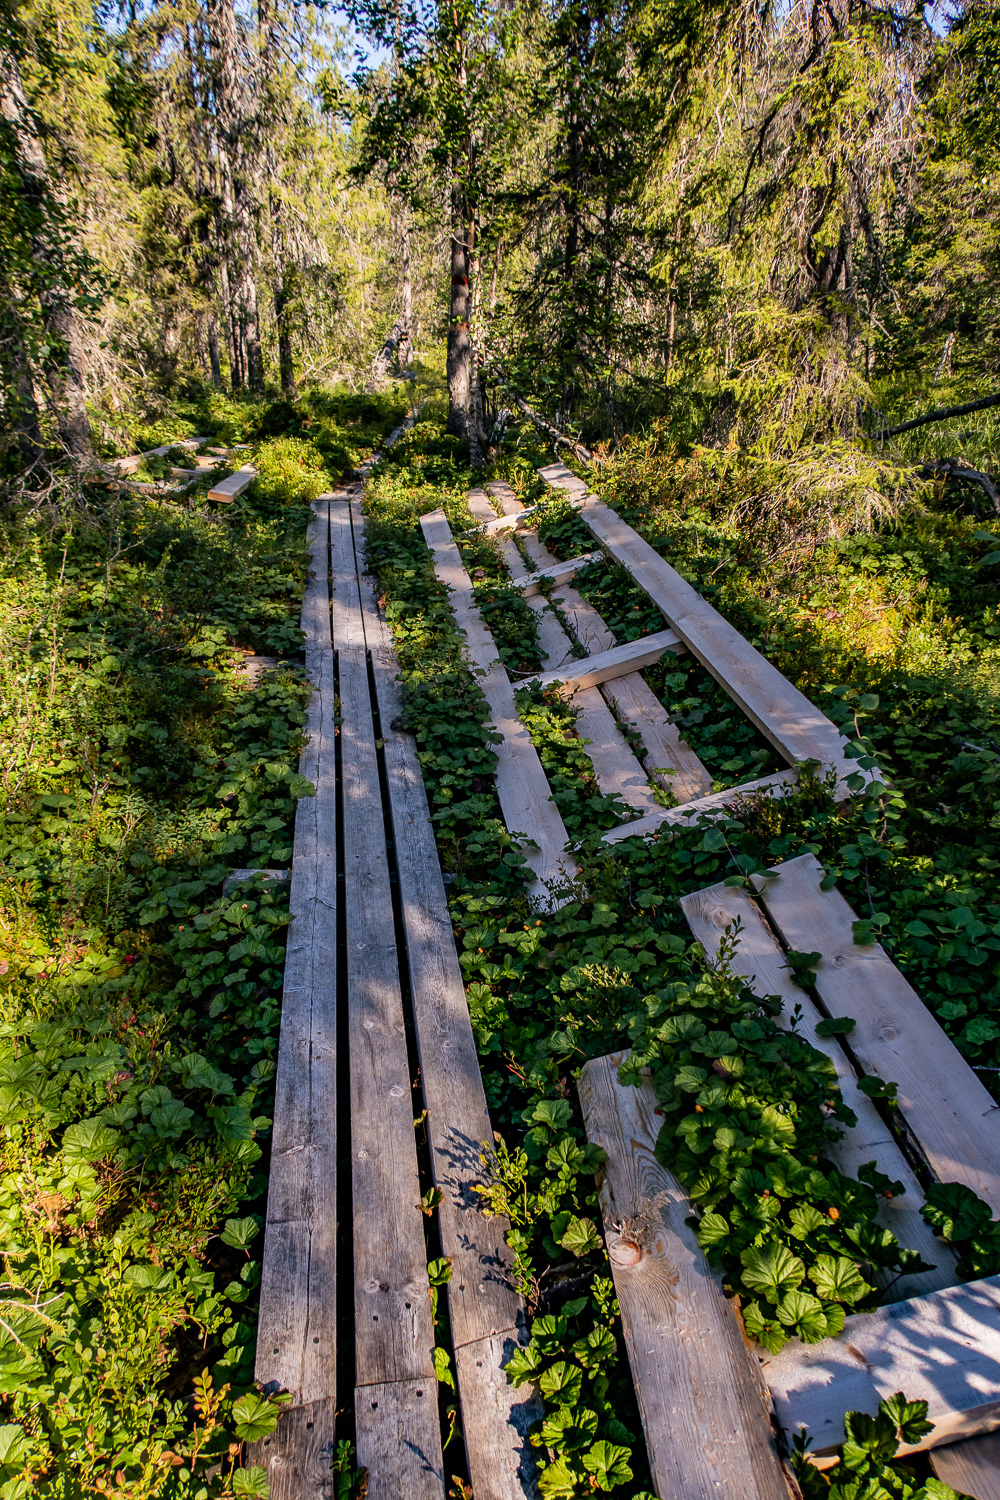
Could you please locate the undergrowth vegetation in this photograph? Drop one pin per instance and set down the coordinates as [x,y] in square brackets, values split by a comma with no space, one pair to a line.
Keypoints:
[140,995]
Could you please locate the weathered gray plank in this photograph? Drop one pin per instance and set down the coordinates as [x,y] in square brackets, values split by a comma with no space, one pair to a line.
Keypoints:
[296,1339]
[522,789]
[487,1316]
[393,1328]
[590,671]
[631,697]
[699,1391]
[762,963]
[953,1117]
[507,501]
[298,1455]
[794,726]
[135,460]
[668,818]
[668,758]
[559,572]
[943,1349]
[399,1440]
[972,1467]
[227,489]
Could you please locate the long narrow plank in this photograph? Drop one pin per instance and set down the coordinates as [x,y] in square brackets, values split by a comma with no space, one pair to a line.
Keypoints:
[667,818]
[631,697]
[296,1337]
[702,1406]
[943,1349]
[760,960]
[528,809]
[394,1334]
[560,572]
[669,759]
[135,460]
[972,1467]
[507,501]
[227,489]
[953,1117]
[487,1316]
[632,656]
[618,772]
[794,726]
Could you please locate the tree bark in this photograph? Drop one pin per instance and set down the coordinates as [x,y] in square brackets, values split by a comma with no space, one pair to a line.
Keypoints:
[213,352]
[406,319]
[238,151]
[459,342]
[64,366]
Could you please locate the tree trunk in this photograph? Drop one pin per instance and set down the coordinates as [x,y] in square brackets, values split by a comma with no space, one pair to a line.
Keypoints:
[64,365]
[459,342]
[238,150]
[406,338]
[213,352]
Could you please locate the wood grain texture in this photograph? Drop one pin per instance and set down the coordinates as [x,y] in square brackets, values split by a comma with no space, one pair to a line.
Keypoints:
[296,1339]
[760,960]
[506,501]
[668,758]
[954,1119]
[630,697]
[298,1455]
[399,1440]
[559,572]
[228,489]
[707,1431]
[666,818]
[590,671]
[487,1316]
[393,1329]
[794,726]
[523,791]
[495,1420]
[943,1349]
[972,1467]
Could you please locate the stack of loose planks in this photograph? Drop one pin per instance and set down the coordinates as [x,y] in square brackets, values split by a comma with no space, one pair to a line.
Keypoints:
[706,1410]
[371,960]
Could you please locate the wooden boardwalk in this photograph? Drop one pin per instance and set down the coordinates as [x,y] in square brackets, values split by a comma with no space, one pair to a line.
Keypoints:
[394,962]
[383,951]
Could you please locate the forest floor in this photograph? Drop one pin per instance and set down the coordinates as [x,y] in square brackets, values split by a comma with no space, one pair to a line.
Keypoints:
[139,1006]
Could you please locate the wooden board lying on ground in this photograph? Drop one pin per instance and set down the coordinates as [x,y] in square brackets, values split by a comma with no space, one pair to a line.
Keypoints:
[589,671]
[487,1316]
[954,1119]
[227,489]
[667,759]
[616,768]
[943,1349]
[528,809]
[136,460]
[560,572]
[296,1336]
[785,716]
[760,960]
[667,818]
[700,1396]
[394,1333]
[971,1467]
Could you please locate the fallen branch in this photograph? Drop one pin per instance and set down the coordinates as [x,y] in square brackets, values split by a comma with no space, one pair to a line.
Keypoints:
[492,366]
[955,468]
[939,414]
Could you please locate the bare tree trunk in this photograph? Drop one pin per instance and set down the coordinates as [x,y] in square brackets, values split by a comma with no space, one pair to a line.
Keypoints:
[64,365]
[406,318]
[459,342]
[230,323]
[213,351]
[237,150]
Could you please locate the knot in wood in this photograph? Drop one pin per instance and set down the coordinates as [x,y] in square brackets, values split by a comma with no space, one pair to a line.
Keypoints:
[625,1251]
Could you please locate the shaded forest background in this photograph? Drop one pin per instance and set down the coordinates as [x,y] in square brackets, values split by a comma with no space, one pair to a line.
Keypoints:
[749,228]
